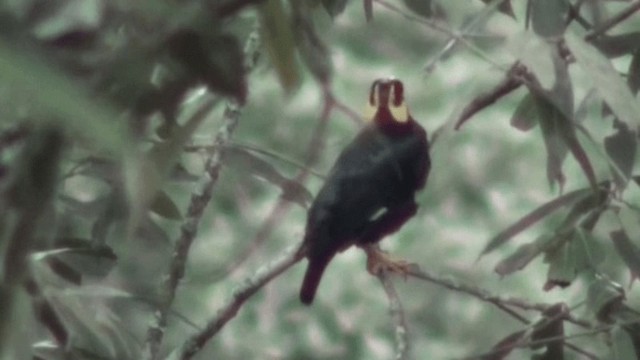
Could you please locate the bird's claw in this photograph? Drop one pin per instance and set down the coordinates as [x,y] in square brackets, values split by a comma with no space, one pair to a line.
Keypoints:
[379,262]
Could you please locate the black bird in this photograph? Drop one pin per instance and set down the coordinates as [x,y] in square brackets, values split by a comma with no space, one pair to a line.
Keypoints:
[370,190]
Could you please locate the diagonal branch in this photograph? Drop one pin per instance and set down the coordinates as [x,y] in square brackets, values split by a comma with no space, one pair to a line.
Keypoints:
[199,201]
[248,288]
[398,318]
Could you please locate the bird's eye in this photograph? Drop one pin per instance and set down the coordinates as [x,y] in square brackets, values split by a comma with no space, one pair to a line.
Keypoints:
[397,106]
[374,101]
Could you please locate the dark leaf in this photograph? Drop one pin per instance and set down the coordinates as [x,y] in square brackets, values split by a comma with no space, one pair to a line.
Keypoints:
[604,298]
[216,59]
[627,250]
[606,80]
[505,346]
[420,7]
[618,45]
[504,7]
[633,76]
[48,317]
[548,17]
[82,259]
[551,326]
[525,117]
[278,40]
[621,148]
[64,271]
[524,254]
[532,218]
[551,121]
[334,7]
[165,207]
[561,271]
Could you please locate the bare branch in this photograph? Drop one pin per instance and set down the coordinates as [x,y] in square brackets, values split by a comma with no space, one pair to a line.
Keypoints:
[398,318]
[199,201]
[248,288]
[613,21]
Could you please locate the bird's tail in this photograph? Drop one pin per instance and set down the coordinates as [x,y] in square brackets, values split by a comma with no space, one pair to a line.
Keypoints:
[312,277]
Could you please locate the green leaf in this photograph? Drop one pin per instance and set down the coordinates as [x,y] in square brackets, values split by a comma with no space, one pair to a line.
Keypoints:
[533,217]
[622,347]
[606,80]
[165,207]
[524,255]
[334,7]
[61,100]
[628,251]
[621,148]
[633,75]
[525,117]
[241,159]
[278,40]
[215,59]
[603,298]
[548,17]
[504,7]
[313,50]
[551,121]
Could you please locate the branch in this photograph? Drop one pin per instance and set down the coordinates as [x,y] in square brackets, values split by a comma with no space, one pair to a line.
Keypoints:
[248,288]
[613,21]
[199,201]
[502,302]
[398,317]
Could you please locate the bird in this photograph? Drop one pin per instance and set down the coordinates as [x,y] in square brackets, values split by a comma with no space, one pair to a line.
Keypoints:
[369,192]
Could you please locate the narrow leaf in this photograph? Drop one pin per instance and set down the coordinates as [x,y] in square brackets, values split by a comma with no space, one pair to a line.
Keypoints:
[532,218]
[628,251]
[633,75]
[606,79]
[278,40]
[524,255]
[618,45]
[525,117]
[165,207]
[621,148]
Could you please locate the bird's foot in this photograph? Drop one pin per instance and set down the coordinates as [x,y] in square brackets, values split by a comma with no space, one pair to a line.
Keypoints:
[379,262]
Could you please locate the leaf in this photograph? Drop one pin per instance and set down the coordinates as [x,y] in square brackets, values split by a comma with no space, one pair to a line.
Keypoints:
[622,345]
[215,59]
[525,117]
[621,148]
[313,50]
[165,207]
[551,120]
[420,7]
[81,257]
[633,75]
[551,326]
[618,45]
[577,251]
[524,255]
[504,7]
[278,40]
[627,250]
[60,100]
[334,7]
[532,218]
[548,17]
[241,159]
[603,298]
[606,80]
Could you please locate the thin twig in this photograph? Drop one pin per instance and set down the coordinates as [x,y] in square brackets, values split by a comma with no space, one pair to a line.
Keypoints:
[248,288]
[613,21]
[398,318]
[502,302]
[199,201]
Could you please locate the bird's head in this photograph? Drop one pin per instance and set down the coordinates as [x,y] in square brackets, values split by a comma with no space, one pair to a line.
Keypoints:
[387,97]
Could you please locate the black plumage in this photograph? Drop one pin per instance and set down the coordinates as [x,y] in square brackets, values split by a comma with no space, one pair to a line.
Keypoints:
[370,190]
